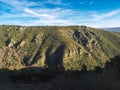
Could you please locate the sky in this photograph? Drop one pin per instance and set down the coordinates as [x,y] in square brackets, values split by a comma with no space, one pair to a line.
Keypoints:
[93,13]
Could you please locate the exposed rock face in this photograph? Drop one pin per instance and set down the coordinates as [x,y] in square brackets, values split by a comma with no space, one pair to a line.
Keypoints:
[72,47]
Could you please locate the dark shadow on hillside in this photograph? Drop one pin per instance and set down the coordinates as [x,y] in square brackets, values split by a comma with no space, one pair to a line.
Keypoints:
[80,37]
[55,60]
[26,60]
[107,78]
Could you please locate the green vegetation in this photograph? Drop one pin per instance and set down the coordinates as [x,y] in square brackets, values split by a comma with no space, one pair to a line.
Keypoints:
[71,47]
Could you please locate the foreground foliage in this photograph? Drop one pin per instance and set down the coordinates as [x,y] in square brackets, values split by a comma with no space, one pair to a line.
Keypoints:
[36,78]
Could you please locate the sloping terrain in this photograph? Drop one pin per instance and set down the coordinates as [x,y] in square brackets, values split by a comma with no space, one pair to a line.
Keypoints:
[114,29]
[71,47]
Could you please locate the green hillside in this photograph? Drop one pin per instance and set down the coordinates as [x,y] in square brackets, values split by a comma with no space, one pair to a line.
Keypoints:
[71,47]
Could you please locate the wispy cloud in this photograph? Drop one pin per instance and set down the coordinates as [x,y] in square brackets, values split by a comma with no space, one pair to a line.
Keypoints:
[48,16]
[38,16]
[26,12]
[18,4]
[105,15]
[42,15]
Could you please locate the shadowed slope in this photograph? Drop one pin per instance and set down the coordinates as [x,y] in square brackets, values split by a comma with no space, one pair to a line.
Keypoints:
[107,78]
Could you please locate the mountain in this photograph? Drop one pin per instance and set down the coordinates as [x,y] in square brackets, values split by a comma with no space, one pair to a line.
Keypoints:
[116,29]
[71,47]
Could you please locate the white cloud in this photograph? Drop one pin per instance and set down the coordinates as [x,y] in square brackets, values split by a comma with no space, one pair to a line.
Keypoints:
[105,23]
[48,16]
[56,16]
[105,15]
[43,15]
[50,22]
[37,14]
[18,4]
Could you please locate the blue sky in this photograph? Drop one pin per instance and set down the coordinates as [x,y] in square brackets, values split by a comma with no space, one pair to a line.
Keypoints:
[94,13]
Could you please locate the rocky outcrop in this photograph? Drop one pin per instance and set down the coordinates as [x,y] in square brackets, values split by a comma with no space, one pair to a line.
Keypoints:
[71,47]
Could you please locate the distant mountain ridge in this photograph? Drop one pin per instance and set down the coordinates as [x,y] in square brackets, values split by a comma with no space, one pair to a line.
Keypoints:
[71,47]
[114,29]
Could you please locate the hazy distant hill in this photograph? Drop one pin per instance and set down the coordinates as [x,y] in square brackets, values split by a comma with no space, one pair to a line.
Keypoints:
[116,29]
[71,47]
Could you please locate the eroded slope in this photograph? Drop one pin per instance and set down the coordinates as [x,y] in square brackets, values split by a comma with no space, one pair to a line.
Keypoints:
[71,47]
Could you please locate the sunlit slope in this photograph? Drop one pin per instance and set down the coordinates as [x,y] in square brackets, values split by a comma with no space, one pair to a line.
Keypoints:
[71,47]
